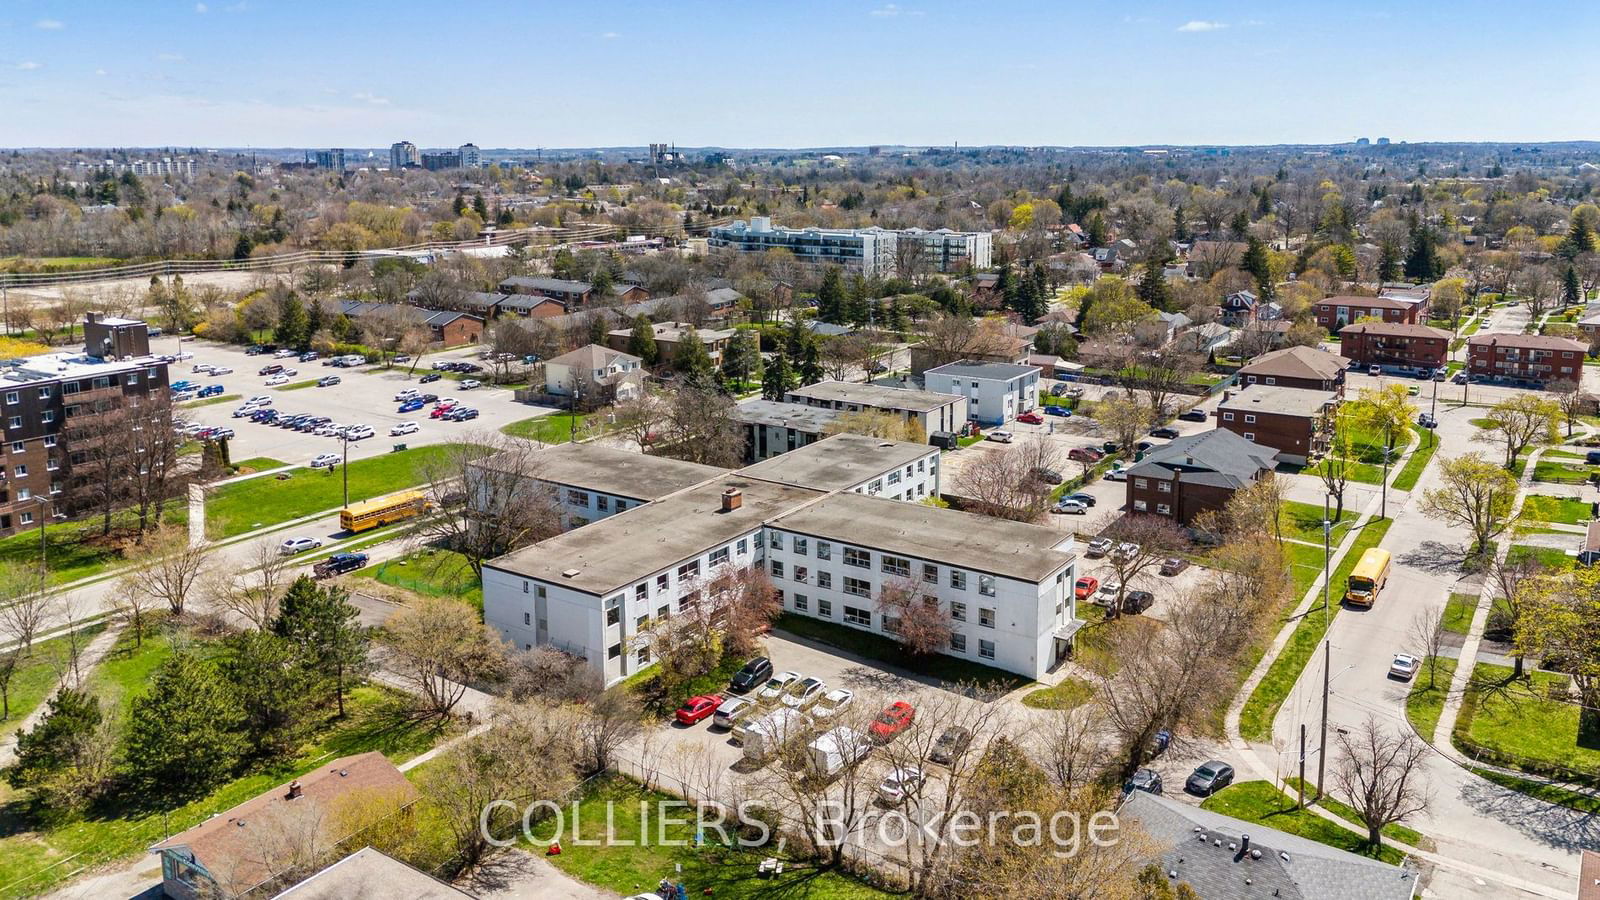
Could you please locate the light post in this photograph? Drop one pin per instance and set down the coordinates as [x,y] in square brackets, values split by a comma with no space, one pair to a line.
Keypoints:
[344,439]
[1322,748]
[1388,454]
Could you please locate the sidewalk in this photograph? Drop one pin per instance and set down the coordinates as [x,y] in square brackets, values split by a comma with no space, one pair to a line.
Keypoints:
[89,658]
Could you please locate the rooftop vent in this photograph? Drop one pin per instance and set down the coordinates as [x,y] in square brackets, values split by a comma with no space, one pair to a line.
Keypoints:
[294,790]
[732,499]
[569,573]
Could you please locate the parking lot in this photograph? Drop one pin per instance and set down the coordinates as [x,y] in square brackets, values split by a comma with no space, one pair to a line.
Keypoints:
[365,395]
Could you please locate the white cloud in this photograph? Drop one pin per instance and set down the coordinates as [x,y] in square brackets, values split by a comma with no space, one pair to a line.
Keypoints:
[49,25]
[1199,25]
[201,8]
[100,71]
[170,57]
[610,36]
[30,65]
[886,11]
[367,97]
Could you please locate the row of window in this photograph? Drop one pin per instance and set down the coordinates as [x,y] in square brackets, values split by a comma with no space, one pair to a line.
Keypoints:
[1161,508]
[892,565]
[1164,487]
[854,615]
[602,502]
[889,563]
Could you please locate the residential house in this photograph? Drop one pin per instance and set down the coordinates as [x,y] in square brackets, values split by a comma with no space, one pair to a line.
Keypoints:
[532,306]
[1239,307]
[369,873]
[572,294]
[1294,421]
[1333,313]
[1395,345]
[233,851]
[931,411]
[447,327]
[983,289]
[629,293]
[1220,856]
[1532,359]
[996,392]
[1204,338]
[1299,367]
[1185,477]
[669,337]
[595,374]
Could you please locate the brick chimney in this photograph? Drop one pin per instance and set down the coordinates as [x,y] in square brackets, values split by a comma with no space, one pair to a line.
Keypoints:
[732,499]
[294,790]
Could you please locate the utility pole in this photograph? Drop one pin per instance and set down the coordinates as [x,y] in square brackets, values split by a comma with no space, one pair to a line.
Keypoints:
[1301,802]
[1322,754]
[1327,555]
[1384,512]
[44,569]
[346,468]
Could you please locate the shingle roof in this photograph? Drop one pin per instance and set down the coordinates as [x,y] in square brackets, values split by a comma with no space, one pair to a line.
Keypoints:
[1296,362]
[1217,457]
[591,357]
[1207,850]
[1527,342]
[548,284]
[1396,329]
[1368,302]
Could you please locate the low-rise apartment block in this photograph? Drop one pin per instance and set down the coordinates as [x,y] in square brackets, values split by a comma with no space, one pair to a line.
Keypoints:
[897,470]
[1298,367]
[1333,313]
[1395,345]
[670,335]
[930,410]
[870,251]
[1530,359]
[1184,478]
[772,427]
[1293,421]
[996,392]
[595,374]
[572,294]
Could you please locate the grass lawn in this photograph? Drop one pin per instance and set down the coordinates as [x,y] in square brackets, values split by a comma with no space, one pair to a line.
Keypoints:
[1458,612]
[1549,793]
[297,385]
[875,646]
[258,464]
[1484,423]
[645,684]
[611,808]
[968,441]
[1554,471]
[37,675]
[1412,470]
[1255,720]
[1515,723]
[1560,510]
[555,428]
[257,502]
[1260,802]
[1069,694]
[1303,522]
[1408,836]
[75,550]
[437,573]
[1305,564]
[1549,556]
[1424,704]
[29,845]
[1364,473]
[211,401]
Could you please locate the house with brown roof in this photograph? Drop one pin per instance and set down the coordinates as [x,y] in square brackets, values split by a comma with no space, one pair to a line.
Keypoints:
[1394,344]
[1333,313]
[1529,359]
[1296,367]
[368,874]
[669,336]
[257,841]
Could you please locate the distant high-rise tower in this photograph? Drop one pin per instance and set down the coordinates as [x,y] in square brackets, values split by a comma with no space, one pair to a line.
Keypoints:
[331,159]
[403,155]
[471,157]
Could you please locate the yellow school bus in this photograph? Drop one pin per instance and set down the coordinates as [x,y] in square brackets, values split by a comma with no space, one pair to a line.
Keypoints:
[381,511]
[1370,573]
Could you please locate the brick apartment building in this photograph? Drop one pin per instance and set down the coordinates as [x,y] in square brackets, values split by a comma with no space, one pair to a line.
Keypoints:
[1533,359]
[1296,367]
[1293,421]
[1334,313]
[1395,344]
[572,294]
[1186,477]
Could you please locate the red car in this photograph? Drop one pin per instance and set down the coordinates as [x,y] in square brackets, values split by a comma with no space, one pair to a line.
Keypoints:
[1032,418]
[893,720]
[1086,587]
[439,411]
[696,708]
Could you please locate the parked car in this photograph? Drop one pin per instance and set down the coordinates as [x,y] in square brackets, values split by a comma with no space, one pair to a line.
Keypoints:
[696,708]
[999,435]
[1085,454]
[804,693]
[1031,417]
[776,685]
[1136,602]
[338,564]
[1404,666]
[1083,497]
[328,381]
[1120,473]
[276,380]
[899,784]
[269,370]
[358,432]
[471,384]
[462,415]
[1058,411]
[751,676]
[1068,506]
[1165,431]
[403,428]
[308,356]
[1125,550]
[407,394]
[1107,594]
[952,742]
[429,379]
[1209,777]
[895,718]
[401,358]
[1085,587]
[1458,378]
[1426,420]
[1147,780]
[411,405]
[730,711]
[325,460]
[283,354]
[1193,415]
[291,546]
[833,703]
[1172,565]
[1046,475]
[201,367]
[1099,547]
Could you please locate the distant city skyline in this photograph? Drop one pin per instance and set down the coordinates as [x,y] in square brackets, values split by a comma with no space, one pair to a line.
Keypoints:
[234,73]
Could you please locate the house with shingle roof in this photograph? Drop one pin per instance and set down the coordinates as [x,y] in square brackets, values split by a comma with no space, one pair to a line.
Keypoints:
[1297,367]
[1186,477]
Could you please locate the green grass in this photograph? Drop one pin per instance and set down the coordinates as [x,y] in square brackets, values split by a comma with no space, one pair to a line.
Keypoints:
[211,401]
[1263,804]
[948,669]
[258,502]
[1418,461]
[297,385]
[75,550]
[713,869]
[968,441]
[645,684]
[1303,522]
[1255,720]
[555,428]
[1425,704]
[436,573]
[1560,510]
[1069,694]
[1548,556]
[1549,793]
[259,464]
[1305,564]
[1408,836]
[1515,723]
[1458,612]
[36,676]
[1556,472]
[1485,423]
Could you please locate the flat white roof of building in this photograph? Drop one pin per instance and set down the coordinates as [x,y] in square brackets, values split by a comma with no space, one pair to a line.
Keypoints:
[1288,401]
[799,416]
[875,395]
[992,371]
[839,462]
[68,365]
[591,466]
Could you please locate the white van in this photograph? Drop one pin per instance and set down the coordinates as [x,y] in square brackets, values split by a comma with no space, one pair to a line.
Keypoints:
[839,748]
[764,736]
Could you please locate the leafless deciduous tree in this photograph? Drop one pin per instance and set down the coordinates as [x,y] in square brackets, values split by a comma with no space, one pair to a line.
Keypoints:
[1380,772]
[639,418]
[1427,638]
[1143,541]
[916,620]
[1007,483]
[486,499]
[948,338]
[1574,401]
[846,355]
[170,570]
[24,608]
[602,727]
[251,592]
[548,673]
[699,427]
[438,646]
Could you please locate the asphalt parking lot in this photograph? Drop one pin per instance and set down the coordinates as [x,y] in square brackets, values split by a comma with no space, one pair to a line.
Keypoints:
[364,396]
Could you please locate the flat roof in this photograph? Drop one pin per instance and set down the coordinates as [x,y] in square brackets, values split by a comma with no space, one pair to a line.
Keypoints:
[617,551]
[66,366]
[951,537]
[786,415]
[839,462]
[1289,401]
[622,473]
[996,371]
[368,874]
[875,395]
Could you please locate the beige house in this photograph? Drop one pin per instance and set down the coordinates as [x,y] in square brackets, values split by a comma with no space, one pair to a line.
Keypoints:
[669,335]
[595,373]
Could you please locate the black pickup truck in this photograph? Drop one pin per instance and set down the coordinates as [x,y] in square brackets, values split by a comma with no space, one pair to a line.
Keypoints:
[339,564]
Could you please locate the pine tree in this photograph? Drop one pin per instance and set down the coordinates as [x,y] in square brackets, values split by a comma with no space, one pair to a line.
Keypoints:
[51,746]
[480,207]
[777,379]
[242,247]
[1241,224]
[273,689]
[1422,263]
[316,317]
[1571,288]
[690,358]
[830,297]
[185,732]
[796,337]
[1152,287]
[1580,238]
[328,632]
[859,305]
[1259,265]
[642,342]
[1180,225]
[1095,230]
[292,328]
[1388,262]
[810,364]
[741,359]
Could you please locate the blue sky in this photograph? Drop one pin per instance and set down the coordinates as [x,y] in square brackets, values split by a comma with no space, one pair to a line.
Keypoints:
[521,73]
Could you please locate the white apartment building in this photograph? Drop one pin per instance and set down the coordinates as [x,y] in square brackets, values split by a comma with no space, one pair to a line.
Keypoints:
[933,411]
[996,393]
[869,251]
[896,470]
[949,251]
[471,156]
[590,481]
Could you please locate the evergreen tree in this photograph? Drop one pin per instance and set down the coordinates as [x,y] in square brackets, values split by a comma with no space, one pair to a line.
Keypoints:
[741,359]
[480,207]
[1580,238]
[1571,288]
[1388,262]
[691,359]
[795,338]
[293,325]
[830,297]
[1152,287]
[273,690]
[810,364]
[342,328]
[1180,225]
[316,318]
[184,733]
[459,207]
[332,642]
[1095,230]
[642,342]
[1422,263]
[242,247]
[597,328]
[858,308]
[1241,224]
[777,379]
[71,719]
[1259,265]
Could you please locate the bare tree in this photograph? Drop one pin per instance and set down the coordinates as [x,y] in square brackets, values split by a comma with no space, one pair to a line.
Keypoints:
[134,607]
[1518,578]
[486,499]
[1573,400]
[948,338]
[438,646]
[699,427]
[1010,483]
[1143,541]
[24,609]
[1427,636]
[1336,466]
[171,569]
[916,620]
[639,418]
[1380,772]
[548,673]
[1070,744]
[602,727]
[847,354]
[252,591]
